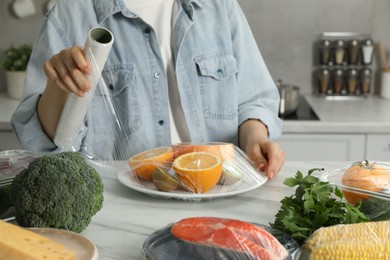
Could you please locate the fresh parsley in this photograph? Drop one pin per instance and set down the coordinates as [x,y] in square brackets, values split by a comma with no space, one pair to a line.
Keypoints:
[315,204]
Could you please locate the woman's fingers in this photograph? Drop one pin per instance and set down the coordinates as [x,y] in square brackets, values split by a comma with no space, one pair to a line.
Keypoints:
[80,60]
[276,159]
[68,70]
[268,156]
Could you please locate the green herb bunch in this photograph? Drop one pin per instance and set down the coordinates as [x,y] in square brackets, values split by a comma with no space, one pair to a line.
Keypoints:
[315,204]
[16,57]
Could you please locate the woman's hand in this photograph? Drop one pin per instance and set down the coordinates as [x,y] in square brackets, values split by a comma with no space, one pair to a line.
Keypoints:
[66,73]
[267,155]
[67,70]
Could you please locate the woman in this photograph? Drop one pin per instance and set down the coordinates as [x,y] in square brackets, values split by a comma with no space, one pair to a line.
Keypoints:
[184,70]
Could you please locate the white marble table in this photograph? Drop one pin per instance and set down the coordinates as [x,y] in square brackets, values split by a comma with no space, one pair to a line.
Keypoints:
[128,217]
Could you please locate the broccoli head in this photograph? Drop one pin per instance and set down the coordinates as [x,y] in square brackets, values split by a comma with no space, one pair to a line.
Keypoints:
[57,191]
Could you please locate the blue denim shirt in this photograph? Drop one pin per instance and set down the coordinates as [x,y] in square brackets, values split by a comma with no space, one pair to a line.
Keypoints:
[222,78]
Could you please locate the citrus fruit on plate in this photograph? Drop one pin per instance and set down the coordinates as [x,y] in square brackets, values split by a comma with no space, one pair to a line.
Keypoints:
[198,171]
[224,150]
[164,181]
[145,163]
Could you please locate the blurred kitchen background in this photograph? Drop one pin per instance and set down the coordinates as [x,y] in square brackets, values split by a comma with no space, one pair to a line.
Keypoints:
[347,126]
[285,30]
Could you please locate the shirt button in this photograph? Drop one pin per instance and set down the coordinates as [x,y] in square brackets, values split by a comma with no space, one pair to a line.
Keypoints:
[157,75]
[220,72]
[147,30]
[161,122]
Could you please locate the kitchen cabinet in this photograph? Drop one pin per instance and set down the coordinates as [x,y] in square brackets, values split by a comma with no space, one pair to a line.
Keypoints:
[378,147]
[350,130]
[323,147]
[9,141]
[336,147]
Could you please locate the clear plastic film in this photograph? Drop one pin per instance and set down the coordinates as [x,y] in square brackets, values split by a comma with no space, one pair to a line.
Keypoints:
[12,162]
[190,171]
[219,238]
[365,183]
[368,240]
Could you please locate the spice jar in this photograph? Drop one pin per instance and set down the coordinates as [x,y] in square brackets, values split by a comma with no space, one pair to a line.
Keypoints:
[352,81]
[365,79]
[324,78]
[338,81]
[339,52]
[325,53]
[353,53]
[367,52]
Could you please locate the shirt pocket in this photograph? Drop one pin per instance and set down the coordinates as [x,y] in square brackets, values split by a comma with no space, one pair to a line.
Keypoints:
[218,85]
[116,106]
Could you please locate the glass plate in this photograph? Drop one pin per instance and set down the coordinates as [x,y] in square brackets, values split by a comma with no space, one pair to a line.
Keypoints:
[162,245]
[219,191]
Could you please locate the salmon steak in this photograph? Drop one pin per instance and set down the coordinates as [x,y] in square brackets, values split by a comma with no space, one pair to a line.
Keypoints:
[230,234]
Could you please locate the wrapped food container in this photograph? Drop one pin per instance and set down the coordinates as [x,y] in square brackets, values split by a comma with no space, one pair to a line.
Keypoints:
[366,183]
[12,162]
[219,238]
[192,171]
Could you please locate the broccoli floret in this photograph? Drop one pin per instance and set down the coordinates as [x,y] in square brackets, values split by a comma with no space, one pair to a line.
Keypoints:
[57,191]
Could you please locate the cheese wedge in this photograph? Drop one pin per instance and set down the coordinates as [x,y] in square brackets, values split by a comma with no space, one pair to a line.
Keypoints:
[18,243]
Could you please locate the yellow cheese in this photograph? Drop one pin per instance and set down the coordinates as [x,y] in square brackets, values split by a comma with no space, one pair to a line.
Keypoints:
[17,243]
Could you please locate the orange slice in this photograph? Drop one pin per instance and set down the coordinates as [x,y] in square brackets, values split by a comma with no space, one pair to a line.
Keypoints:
[225,150]
[198,171]
[144,164]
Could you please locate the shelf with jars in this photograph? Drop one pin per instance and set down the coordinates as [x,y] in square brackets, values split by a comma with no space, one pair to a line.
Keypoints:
[343,64]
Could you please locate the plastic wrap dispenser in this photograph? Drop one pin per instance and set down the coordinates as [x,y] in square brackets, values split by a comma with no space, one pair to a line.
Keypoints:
[96,48]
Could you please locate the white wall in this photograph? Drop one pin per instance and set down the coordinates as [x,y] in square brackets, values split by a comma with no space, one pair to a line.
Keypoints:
[286,30]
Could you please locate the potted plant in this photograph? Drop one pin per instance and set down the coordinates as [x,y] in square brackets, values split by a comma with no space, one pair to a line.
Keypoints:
[15,63]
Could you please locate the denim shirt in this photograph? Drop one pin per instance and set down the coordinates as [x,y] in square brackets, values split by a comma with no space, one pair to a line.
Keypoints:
[222,78]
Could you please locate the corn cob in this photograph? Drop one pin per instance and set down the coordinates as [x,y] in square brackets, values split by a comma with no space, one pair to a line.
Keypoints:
[370,240]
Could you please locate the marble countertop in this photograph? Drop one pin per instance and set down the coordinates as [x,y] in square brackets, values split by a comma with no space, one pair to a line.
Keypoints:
[359,115]
[128,217]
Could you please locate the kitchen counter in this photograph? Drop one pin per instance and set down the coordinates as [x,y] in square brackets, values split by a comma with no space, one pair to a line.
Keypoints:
[7,108]
[128,217]
[359,115]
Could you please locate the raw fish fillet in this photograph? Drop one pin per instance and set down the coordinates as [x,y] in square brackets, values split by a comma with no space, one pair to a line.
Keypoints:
[230,234]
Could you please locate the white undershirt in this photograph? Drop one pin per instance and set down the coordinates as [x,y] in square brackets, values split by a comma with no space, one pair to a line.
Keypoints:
[158,14]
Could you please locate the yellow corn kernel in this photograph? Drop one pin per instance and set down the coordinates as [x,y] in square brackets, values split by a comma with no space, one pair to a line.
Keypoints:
[370,240]
[353,249]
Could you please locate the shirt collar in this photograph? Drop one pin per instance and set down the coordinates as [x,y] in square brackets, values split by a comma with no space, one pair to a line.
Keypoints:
[105,9]
[187,5]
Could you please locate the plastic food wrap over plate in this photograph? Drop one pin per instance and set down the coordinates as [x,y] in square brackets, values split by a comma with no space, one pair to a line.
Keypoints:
[12,162]
[219,238]
[365,182]
[191,171]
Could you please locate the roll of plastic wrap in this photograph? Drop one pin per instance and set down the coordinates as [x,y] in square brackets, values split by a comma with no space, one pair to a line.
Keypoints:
[97,48]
